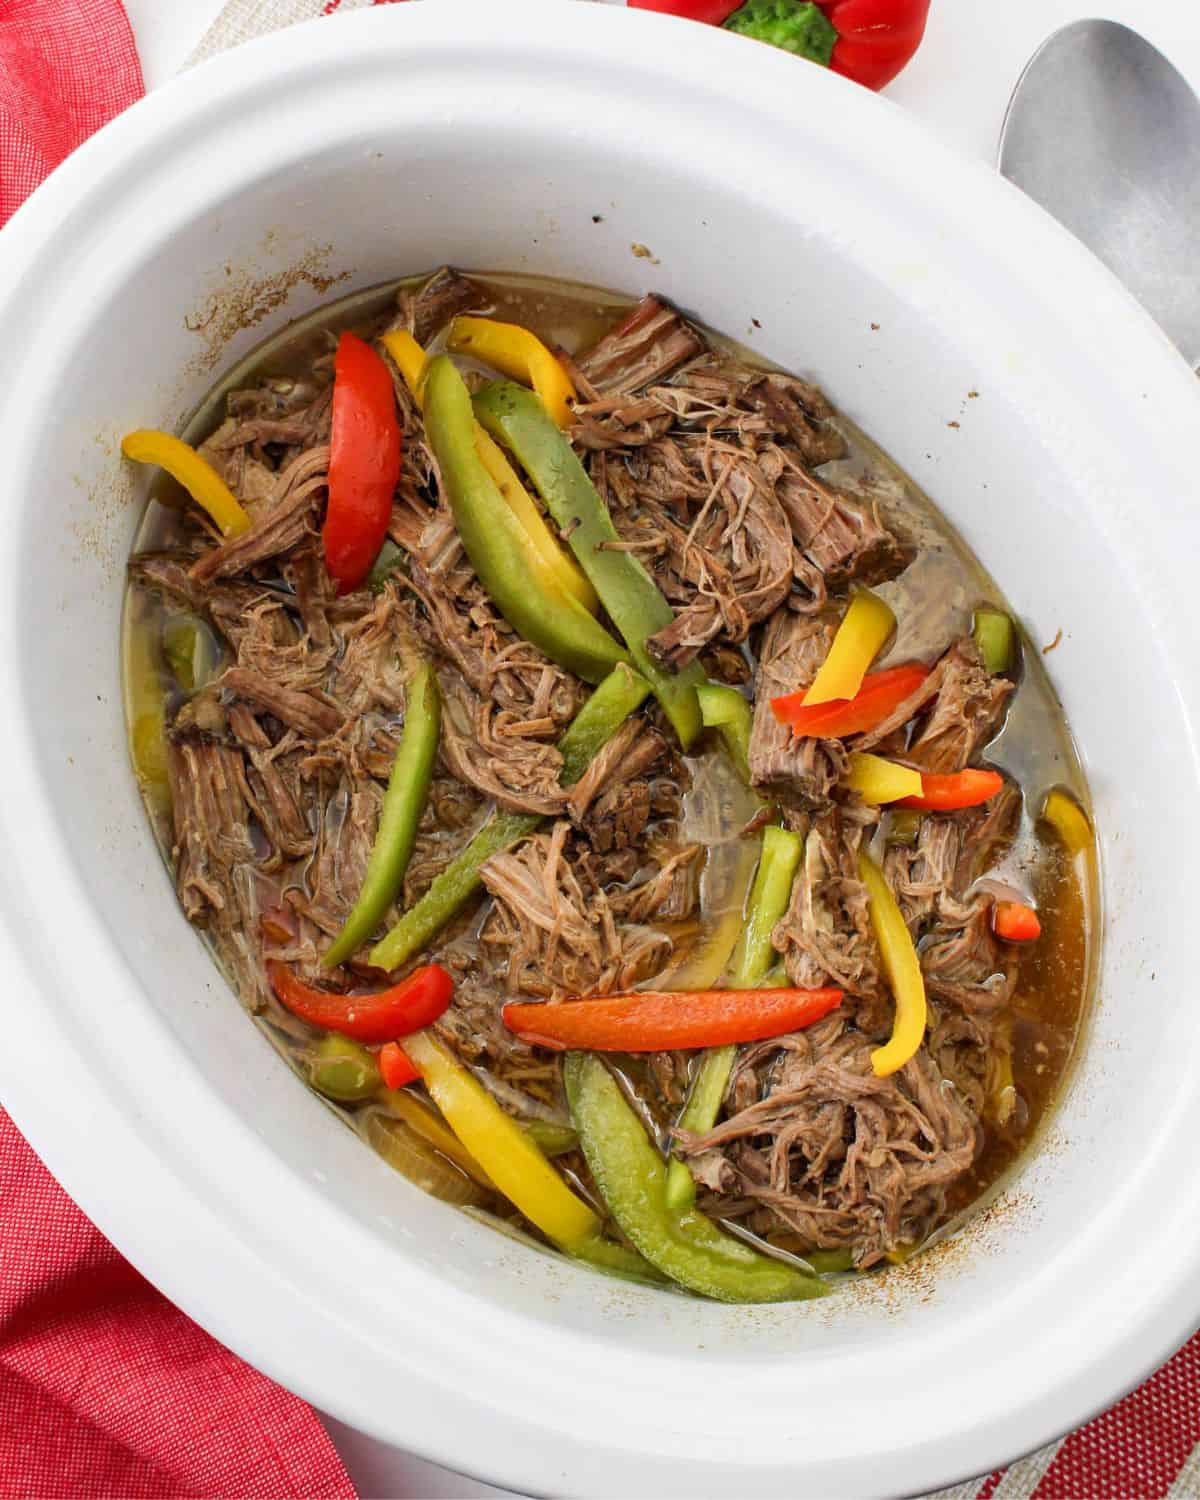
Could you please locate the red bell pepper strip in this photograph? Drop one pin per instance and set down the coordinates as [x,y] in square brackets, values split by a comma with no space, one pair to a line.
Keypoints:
[394,1066]
[959,789]
[417,1001]
[880,693]
[1015,922]
[869,41]
[659,1020]
[364,462]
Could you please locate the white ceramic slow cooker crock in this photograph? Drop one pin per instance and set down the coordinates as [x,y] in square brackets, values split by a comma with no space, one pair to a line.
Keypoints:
[553,138]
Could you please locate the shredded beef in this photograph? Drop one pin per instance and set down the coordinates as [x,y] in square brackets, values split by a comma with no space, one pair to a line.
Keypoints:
[647,344]
[842,1158]
[283,522]
[214,854]
[439,299]
[825,935]
[964,705]
[491,750]
[557,939]
[802,772]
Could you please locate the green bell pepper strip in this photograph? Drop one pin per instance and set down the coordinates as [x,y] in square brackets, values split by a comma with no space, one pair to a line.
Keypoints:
[634,602]
[724,709]
[632,1178]
[753,957]
[596,722]
[387,560]
[498,546]
[994,636]
[399,819]
[342,1069]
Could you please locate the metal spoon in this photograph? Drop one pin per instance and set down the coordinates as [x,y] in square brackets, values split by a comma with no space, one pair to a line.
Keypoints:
[1103,132]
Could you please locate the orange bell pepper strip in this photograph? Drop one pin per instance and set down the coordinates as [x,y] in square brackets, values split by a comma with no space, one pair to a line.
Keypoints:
[395,1068]
[958,789]
[880,694]
[659,1020]
[364,462]
[1015,922]
[417,1001]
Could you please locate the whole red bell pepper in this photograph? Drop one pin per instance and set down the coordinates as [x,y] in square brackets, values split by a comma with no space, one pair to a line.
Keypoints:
[866,40]
[417,1001]
[876,38]
[364,462]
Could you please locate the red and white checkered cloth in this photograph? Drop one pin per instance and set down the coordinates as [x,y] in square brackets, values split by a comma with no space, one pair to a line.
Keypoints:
[105,1388]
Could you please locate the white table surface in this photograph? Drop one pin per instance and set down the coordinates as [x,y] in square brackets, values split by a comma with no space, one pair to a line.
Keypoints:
[959,84]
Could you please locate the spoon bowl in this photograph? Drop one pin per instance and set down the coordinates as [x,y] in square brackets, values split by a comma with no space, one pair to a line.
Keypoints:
[1104,132]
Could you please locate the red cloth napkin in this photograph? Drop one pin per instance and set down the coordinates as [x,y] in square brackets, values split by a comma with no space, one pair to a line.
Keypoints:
[66,67]
[106,1389]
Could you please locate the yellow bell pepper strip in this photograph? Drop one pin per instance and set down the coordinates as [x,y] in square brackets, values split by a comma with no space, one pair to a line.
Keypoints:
[195,474]
[724,709]
[769,898]
[1069,821]
[428,1124]
[903,970]
[595,723]
[146,712]
[877,780]
[499,1145]
[519,354]
[514,1165]
[399,817]
[865,628]
[631,1177]
[633,600]
[508,564]
[993,633]
[410,359]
